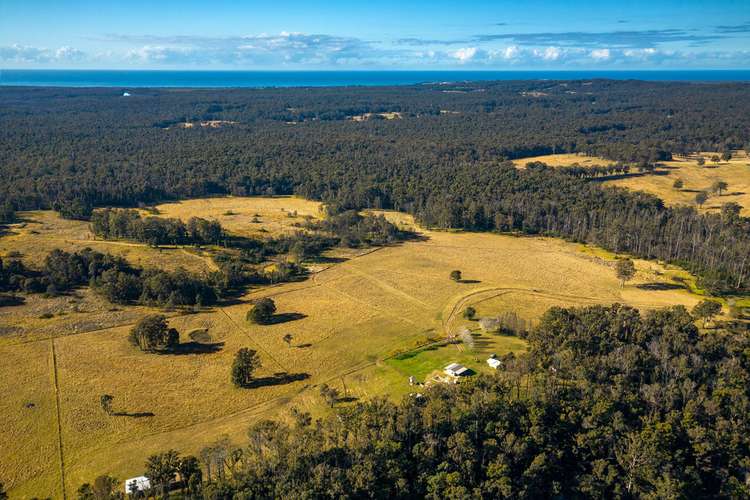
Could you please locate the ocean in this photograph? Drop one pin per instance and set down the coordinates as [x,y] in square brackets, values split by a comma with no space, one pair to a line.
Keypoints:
[259,79]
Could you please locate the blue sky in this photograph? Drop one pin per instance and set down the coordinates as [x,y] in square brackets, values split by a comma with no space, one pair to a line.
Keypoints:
[382,34]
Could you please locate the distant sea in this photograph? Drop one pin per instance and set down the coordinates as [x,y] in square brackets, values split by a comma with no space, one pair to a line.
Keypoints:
[213,79]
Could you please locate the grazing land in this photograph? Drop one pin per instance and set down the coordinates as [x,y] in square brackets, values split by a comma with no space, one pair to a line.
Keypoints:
[358,323]
[695,178]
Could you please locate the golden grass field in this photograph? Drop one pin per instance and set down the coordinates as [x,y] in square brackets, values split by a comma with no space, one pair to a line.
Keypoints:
[355,315]
[563,160]
[736,172]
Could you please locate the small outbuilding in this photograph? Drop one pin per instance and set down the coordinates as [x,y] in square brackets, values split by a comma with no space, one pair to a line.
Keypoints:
[140,483]
[493,362]
[456,370]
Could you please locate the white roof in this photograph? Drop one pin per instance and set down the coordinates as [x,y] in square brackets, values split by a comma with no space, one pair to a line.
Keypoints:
[494,362]
[142,483]
[455,369]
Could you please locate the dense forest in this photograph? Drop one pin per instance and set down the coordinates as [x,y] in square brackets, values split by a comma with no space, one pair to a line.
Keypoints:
[608,403]
[443,157]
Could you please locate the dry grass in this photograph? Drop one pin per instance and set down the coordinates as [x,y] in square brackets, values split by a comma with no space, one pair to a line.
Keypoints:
[564,160]
[276,215]
[351,317]
[40,232]
[29,456]
[736,172]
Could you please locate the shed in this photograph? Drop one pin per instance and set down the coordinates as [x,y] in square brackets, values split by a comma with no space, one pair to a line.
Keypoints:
[493,362]
[140,483]
[455,370]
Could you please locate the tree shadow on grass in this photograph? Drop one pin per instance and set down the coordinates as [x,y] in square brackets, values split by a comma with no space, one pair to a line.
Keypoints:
[280,378]
[303,346]
[196,348]
[324,259]
[660,286]
[468,282]
[139,414]
[277,319]
[347,399]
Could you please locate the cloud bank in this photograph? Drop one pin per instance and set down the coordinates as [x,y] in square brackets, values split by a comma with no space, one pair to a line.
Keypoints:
[294,50]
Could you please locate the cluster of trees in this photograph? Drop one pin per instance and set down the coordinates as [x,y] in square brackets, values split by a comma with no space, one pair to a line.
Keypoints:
[62,271]
[165,471]
[156,287]
[607,403]
[152,333]
[112,223]
[353,229]
[595,171]
[112,277]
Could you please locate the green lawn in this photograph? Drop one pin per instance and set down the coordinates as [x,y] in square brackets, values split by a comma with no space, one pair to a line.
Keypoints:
[423,362]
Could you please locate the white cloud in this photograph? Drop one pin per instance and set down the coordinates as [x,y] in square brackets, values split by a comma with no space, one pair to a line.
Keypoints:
[548,54]
[295,50]
[26,54]
[639,53]
[600,54]
[465,54]
[511,52]
[67,53]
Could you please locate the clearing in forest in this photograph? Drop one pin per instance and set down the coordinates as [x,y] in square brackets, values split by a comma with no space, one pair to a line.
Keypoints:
[695,178]
[356,324]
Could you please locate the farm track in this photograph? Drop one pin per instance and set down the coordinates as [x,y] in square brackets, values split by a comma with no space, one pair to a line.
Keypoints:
[250,338]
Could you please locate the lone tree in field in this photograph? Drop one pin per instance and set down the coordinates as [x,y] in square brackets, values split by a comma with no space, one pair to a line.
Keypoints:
[288,339]
[726,155]
[701,198]
[719,186]
[470,313]
[715,159]
[106,402]
[329,394]
[678,184]
[262,311]
[700,161]
[706,310]
[625,271]
[246,361]
[3,494]
[456,275]
[153,334]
